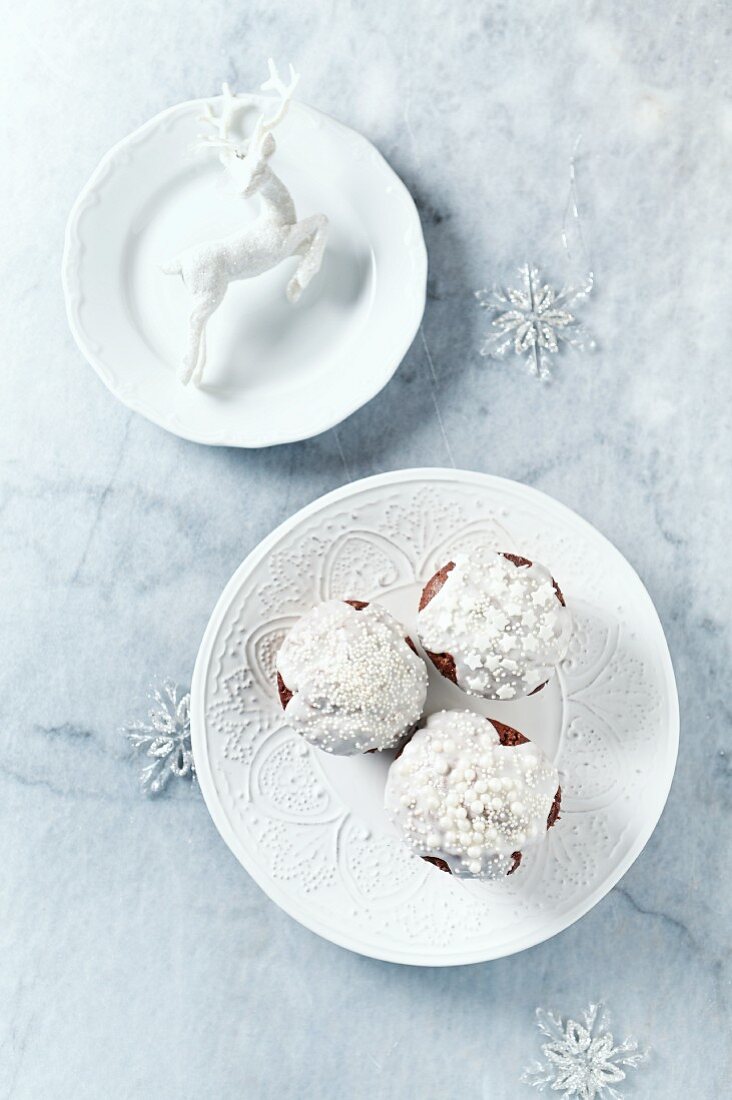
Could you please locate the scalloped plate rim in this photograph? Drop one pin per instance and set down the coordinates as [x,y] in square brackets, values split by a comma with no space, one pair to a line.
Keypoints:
[74,247]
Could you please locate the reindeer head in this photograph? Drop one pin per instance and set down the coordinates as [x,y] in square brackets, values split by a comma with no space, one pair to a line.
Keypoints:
[247,162]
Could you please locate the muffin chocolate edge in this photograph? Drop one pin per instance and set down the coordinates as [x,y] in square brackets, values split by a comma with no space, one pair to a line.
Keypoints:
[285,694]
[445,662]
[509,737]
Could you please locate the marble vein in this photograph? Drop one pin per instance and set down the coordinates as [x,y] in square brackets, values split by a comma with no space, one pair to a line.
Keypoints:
[136,957]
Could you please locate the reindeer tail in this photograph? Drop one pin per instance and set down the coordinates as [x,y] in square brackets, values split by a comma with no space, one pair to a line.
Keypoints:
[171,267]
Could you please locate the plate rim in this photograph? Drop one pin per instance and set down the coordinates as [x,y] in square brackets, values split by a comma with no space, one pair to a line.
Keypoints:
[74,249]
[278,895]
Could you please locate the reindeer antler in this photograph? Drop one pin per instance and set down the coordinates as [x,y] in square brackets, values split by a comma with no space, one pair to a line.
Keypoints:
[274,83]
[230,101]
[221,123]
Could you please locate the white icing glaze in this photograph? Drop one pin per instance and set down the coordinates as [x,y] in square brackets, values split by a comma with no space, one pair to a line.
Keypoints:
[503,624]
[356,683]
[457,793]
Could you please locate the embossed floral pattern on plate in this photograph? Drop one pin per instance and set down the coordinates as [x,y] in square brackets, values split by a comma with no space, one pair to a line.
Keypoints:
[309,828]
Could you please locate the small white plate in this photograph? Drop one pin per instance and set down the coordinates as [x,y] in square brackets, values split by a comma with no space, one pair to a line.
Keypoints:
[276,372]
[310,827]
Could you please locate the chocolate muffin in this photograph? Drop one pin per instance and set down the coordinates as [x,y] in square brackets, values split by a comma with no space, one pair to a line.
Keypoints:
[495,624]
[470,794]
[348,679]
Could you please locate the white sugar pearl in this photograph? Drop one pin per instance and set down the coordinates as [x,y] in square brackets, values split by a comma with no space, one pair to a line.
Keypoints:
[437,746]
[441,767]
[448,745]
[475,866]
[477,814]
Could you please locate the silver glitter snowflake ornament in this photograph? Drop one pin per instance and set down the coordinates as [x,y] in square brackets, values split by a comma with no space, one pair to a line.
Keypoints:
[581,1059]
[534,320]
[165,738]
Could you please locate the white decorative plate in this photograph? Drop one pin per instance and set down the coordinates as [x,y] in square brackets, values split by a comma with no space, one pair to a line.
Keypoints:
[309,827]
[275,372]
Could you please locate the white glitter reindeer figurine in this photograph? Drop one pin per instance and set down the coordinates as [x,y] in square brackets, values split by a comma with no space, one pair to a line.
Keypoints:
[208,268]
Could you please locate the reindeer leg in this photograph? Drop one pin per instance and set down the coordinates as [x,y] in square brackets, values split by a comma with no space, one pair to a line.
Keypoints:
[197,376]
[196,325]
[194,359]
[307,239]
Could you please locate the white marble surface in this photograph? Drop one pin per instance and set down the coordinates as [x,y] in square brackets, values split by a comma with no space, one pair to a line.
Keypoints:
[138,960]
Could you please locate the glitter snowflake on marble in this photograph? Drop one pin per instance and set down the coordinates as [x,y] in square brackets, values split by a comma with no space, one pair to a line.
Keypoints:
[165,738]
[581,1059]
[534,320]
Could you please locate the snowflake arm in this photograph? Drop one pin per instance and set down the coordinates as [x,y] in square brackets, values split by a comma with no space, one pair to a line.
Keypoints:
[533,320]
[165,739]
[580,1059]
